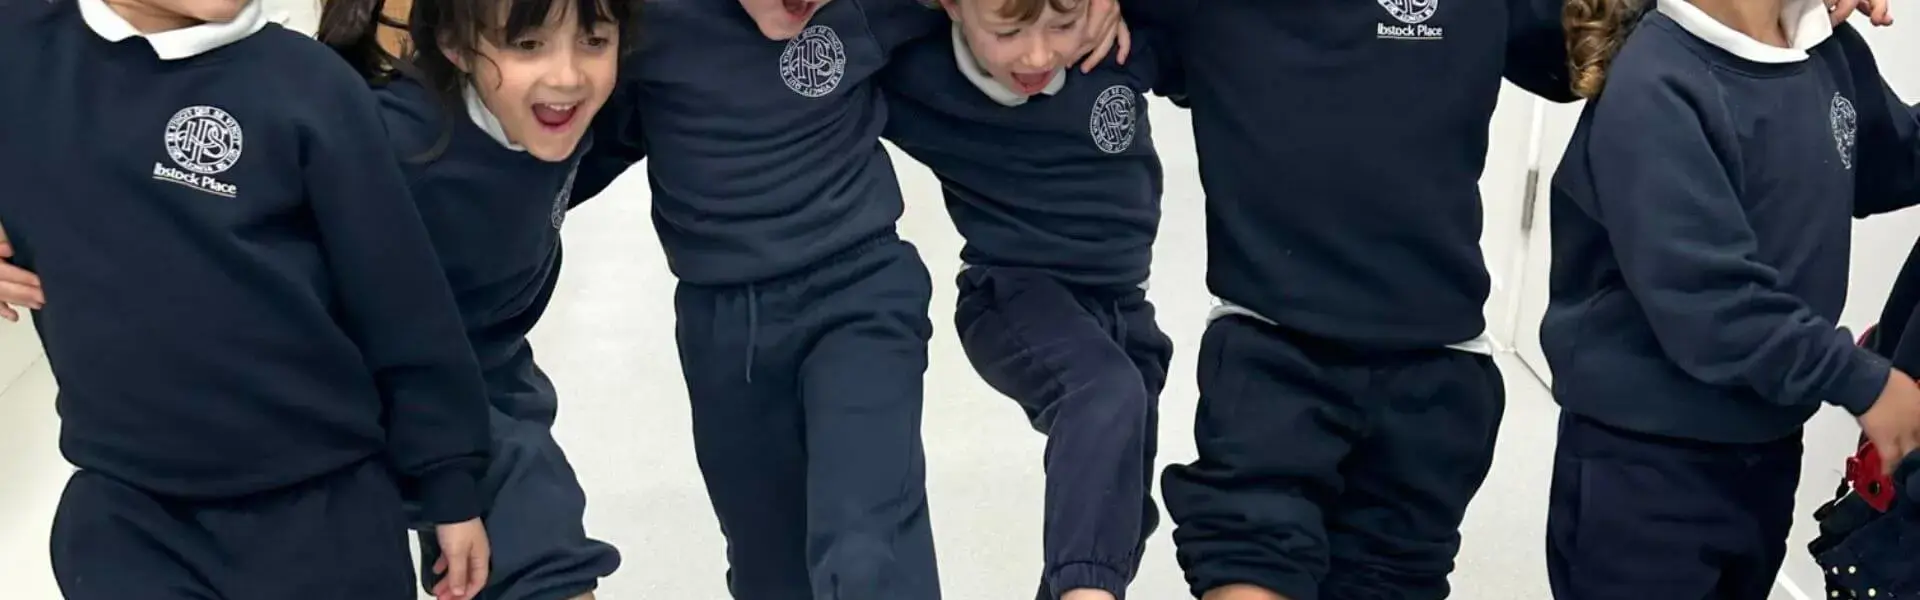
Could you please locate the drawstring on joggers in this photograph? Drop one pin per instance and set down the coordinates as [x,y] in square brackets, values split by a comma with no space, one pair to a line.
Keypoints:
[753,327]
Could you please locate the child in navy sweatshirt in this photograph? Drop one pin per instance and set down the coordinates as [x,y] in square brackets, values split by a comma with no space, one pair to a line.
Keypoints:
[1348,397]
[170,154]
[1052,178]
[1701,225]
[490,139]
[802,316]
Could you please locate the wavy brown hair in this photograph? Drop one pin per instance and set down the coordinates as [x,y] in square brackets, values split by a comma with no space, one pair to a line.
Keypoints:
[1595,31]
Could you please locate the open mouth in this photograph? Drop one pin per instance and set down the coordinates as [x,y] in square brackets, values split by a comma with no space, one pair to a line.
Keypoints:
[555,116]
[800,10]
[1032,83]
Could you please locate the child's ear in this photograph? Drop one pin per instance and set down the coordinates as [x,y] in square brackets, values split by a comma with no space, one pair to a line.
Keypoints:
[459,60]
[953,9]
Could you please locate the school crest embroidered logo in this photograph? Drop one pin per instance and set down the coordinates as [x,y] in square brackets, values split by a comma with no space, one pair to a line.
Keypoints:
[1413,16]
[814,62]
[1846,125]
[1112,121]
[560,201]
[205,141]
[1411,12]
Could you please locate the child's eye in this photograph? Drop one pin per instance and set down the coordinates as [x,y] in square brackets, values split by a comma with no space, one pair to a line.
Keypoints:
[1006,34]
[1067,26]
[596,42]
[526,45]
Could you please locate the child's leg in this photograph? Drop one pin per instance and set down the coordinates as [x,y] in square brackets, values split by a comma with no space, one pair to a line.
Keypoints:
[535,521]
[1432,419]
[1070,363]
[1273,429]
[341,536]
[1151,351]
[860,330]
[748,437]
[1637,516]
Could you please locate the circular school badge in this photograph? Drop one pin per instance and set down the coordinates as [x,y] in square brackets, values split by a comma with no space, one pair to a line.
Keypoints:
[1112,121]
[204,140]
[814,62]
[1846,124]
[1411,12]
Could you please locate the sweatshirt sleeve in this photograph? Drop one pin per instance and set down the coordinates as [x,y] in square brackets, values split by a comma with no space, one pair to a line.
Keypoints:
[1687,254]
[1887,142]
[395,303]
[1889,156]
[618,144]
[1537,49]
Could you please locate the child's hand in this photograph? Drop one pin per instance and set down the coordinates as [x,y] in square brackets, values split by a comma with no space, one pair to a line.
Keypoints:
[18,287]
[1893,424]
[1105,29]
[1875,9]
[464,560]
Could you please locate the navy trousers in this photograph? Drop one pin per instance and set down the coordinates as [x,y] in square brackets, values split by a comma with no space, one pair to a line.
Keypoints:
[1087,367]
[1640,516]
[535,517]
[1330,473]
[341,536]
[807,397]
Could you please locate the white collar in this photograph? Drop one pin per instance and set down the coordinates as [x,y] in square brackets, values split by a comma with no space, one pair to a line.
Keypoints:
[1806,22]
[477,110]
[963,58]
[179,43]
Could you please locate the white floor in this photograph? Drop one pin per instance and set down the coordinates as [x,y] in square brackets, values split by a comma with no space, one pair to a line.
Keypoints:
[608,344]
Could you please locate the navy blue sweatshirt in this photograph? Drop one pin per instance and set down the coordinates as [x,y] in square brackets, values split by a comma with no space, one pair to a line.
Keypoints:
[1066,182]
[764,156]
[1701,230]
[240,295]
[1341,144]
[494,213]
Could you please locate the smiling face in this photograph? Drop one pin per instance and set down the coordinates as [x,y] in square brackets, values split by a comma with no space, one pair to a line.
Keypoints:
[1023,44]
[546,84]
[781,19]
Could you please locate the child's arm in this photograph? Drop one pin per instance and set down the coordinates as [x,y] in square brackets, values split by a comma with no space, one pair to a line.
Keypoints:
[1889,164]
[618,144]
[1169,17]
[395,303]
[1160,31]
[1887,146]
[1537,49]
[1687,254]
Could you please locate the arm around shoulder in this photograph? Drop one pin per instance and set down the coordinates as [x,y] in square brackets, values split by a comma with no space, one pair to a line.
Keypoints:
[618,144]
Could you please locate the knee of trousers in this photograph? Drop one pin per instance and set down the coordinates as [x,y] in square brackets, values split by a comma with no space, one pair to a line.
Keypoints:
[1103,394]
